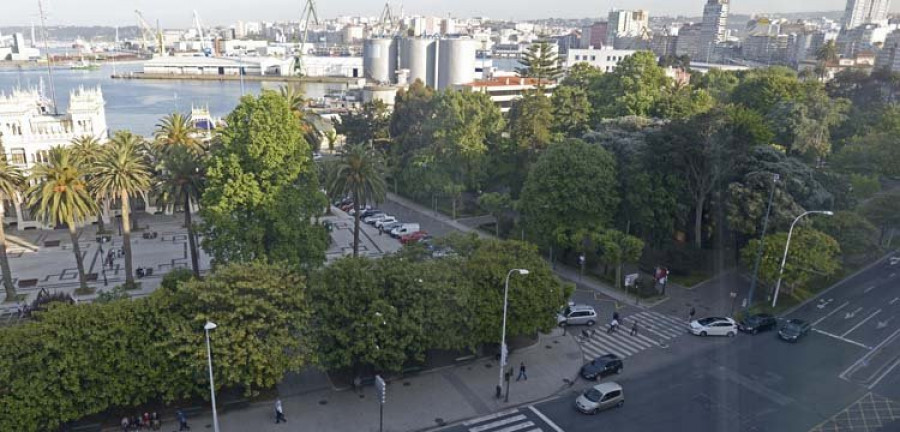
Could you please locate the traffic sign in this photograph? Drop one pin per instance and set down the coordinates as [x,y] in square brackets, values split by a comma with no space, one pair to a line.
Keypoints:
[380,389]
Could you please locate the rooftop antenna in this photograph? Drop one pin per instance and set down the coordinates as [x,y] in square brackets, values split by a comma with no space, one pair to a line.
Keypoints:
[49,57]
[309,13]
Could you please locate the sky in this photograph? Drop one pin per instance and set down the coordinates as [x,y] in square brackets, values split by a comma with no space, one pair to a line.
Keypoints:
[178,13]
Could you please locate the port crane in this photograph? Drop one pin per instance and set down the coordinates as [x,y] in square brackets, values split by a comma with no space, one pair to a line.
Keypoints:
[148,33]
[203,48]
[308,14]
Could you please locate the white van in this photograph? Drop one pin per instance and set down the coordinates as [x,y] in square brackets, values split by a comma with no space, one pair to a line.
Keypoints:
[405,229]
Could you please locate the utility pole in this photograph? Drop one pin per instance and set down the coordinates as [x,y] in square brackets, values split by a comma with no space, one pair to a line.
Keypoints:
[762,244]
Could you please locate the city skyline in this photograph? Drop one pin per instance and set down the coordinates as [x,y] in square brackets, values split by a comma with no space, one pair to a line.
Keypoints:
[173,13]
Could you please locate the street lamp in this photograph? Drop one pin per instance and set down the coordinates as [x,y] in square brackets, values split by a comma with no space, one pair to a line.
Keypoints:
[787,245]
[212,388]
[503,350]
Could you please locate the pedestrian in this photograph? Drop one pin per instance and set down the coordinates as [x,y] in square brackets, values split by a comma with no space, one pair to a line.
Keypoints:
[634,328]
[522,372]
[182,421]
[136,423]
[691,316]
[612,326]
[279,412]
[155,424]
[125,423]
[381,230]
[357,384]
[145,421]
[616,316]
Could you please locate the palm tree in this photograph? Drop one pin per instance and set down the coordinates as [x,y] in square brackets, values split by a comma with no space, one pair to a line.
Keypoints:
[181,181]
[85,152]
[59,194]
[826,54]
[123,172]
[11,181]
[358,172]
[176,129]
[295,99]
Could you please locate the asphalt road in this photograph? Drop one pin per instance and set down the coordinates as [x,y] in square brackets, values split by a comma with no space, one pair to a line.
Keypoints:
[842,376]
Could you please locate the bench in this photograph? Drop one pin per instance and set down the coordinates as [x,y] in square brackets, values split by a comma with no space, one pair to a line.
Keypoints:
[27,283]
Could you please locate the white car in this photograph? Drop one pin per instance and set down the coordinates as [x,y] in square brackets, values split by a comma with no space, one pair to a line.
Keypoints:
[714,326]
[374,218]
[386,220]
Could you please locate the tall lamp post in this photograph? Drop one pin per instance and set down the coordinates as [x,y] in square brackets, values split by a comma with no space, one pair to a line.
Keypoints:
[788,245]
[762,245]
[212,388]
[503,350]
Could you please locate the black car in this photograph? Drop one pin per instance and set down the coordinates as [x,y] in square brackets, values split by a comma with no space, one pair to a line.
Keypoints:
[758,323]
[793,330]
[602,366]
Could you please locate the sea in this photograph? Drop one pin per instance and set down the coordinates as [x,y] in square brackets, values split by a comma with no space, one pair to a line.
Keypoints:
[138,105]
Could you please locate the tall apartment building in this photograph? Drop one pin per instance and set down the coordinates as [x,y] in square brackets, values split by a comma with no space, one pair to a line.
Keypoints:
[624,23]
[859,12]
[712,29]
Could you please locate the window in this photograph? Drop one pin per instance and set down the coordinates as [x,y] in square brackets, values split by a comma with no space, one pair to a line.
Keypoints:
[577,57]
[593,58]
[18,156]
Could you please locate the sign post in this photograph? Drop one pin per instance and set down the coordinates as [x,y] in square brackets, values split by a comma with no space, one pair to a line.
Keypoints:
[380,390]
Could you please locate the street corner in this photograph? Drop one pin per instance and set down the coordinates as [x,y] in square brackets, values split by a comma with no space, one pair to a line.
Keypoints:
[870,413]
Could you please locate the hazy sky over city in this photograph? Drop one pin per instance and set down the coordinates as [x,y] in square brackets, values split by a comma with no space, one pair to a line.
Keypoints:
[177,13]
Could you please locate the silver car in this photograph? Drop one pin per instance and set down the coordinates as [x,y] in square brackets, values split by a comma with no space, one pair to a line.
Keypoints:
[577,315]
[600,397]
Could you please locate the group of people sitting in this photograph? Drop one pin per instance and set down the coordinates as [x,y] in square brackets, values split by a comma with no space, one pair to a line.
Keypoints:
[139,423]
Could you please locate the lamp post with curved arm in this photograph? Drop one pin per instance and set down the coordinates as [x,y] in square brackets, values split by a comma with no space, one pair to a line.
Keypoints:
[787,245]
[503,350]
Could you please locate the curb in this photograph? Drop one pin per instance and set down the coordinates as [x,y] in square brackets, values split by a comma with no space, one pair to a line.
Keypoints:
[838,283]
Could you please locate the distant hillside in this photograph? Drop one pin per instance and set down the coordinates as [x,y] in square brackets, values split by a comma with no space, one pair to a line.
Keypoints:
[67,33]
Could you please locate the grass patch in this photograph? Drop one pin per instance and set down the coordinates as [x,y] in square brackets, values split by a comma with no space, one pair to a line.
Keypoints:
[689,280]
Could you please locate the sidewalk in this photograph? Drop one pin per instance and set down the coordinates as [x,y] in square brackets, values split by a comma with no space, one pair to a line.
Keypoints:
[428,400]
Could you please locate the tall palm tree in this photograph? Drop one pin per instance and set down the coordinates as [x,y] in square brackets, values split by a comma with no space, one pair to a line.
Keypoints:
[59,194]
[297,101]
[181,181]
[85,152]
[176,129]
[11,181]
[826,54]
[123,172]
[358,172]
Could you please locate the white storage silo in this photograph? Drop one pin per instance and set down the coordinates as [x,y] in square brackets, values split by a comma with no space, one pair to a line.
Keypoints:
[418,55]
[456,64]
[380,60]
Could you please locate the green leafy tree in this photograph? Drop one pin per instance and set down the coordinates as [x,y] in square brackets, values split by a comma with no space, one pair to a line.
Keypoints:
[804,126]
[122,172]
[181,182]
[617,248]
[59,194]
[761,89]
[497,204]
[883,210]
[358,173]
[262,313]
[855,235]
[464,127]
[748,199]
[682,102]
[540,62]
[571,187]
[635,87]
[11,183]
[718,83]
[370,125]
[571,111]
[262,188]
[811,253]
[531,123]
[177,130]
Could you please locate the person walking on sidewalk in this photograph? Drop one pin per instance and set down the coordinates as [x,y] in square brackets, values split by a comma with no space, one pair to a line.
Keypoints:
[691,314]
[522,372]
[279,412]
[182,421]
[634,328]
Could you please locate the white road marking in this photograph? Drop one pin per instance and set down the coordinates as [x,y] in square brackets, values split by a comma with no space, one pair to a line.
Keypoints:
[545,419]
[883,324]
[841,338]
[490,417]
[864,359]
[865,291]
[829,313]
[849,315]
[861,322]
[498,423]
[885,373]
[895,300]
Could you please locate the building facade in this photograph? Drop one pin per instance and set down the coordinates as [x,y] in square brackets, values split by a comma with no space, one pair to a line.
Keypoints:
[859,12]
[606,59]
[626,23]
[504,91]
[713,27]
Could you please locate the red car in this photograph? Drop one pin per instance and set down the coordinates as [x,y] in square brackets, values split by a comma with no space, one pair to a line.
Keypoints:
[413,238]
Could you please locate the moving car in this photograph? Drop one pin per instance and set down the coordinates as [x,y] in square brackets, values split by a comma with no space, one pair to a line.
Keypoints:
[600,397]
[577,315]
[602,366]
[713,326]
[758,323]
[794,329]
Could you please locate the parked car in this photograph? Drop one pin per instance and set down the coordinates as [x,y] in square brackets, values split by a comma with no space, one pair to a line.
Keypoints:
[714,326]
[391,225]
[386,220]
[892,261]
[413,238]
[577,315]
[346,207]
[758,323]
[794,329]
[602,366]
[352,211]
[375,218]
[369,212]
[600,397]
[405,229]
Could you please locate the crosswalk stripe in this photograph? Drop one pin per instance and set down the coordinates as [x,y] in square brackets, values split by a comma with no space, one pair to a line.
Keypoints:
[651,342]
[611,347]
[655,329]
[612,340]
[670,318]
[630,341]
[662,326]
[514,428]
[490,417]
[591,351]
[665,323]
[497,423]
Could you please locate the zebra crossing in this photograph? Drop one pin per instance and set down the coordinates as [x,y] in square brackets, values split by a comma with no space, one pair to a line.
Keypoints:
[654,329]
[511,420]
